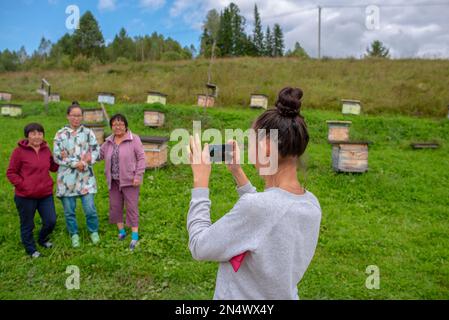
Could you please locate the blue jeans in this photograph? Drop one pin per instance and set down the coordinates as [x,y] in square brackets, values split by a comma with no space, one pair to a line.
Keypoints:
[27,208]
[69,204]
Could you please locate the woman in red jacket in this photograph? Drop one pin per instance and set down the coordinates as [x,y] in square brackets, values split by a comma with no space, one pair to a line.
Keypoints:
[28,171]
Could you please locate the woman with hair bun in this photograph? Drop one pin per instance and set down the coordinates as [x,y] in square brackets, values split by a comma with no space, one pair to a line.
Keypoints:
[266,242]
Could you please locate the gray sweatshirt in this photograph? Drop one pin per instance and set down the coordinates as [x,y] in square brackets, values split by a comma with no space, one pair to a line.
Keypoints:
[278,230]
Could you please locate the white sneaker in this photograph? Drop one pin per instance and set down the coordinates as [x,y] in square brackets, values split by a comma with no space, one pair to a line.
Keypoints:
[36,254]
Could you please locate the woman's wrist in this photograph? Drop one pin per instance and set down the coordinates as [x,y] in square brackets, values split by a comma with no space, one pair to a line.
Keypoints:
[240,177]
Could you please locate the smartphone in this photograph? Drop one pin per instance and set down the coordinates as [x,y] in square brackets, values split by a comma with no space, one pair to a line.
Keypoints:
[220,153]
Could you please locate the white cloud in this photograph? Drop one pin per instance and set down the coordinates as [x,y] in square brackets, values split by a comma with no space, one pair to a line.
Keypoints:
[106,5]
[409,31]
[152,4]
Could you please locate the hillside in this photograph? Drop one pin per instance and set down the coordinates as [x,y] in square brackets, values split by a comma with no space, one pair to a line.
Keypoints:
[409,87]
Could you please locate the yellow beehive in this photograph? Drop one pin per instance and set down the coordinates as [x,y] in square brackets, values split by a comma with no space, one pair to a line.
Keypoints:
[259,101]
[12,110]
[156,97]
[351,107]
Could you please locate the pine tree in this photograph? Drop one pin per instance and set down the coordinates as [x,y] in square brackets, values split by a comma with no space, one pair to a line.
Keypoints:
[258,33]
[278,50]
[378,50]
[269,45]
[88,39]
[298,52]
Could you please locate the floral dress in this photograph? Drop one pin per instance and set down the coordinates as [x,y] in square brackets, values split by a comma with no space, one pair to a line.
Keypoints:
[76,143]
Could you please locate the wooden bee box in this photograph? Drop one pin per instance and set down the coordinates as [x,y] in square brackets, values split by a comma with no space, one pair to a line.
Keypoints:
[94,115]
[5,96]
[350,156]
[351,107]
[425,145]
[106,98]
[54,97]
[259,101]
[98,130]
[12,110]
[156,151]
[156,97]
[154,118]
[206,100]
[338,130]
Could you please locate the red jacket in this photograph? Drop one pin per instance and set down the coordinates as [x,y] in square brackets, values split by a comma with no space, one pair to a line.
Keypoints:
[28,171]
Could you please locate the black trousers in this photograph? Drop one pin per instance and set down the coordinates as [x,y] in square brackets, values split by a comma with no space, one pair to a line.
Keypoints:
[27,209]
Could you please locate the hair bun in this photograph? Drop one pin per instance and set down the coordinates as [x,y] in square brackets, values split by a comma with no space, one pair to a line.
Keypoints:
[288,103]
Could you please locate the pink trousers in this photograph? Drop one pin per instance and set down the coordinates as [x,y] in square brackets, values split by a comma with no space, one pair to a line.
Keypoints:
[118,199]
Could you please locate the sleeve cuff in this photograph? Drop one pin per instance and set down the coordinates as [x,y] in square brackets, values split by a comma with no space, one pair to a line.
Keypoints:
[200,193]
[246,188]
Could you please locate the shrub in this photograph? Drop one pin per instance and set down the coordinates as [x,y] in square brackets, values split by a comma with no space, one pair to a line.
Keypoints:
[81,63]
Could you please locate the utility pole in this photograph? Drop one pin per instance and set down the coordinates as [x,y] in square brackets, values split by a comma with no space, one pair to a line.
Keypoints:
[319,32]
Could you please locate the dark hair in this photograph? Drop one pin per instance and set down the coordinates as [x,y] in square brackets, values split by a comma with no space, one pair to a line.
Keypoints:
[286,118]
[118,117]
[74,105]
[33,127]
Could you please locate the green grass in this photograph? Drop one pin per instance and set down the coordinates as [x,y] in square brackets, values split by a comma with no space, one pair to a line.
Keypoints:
[394,216]
[409,87]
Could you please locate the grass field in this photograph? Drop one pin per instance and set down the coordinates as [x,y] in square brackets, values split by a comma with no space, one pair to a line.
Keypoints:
[407,87]
[394,216]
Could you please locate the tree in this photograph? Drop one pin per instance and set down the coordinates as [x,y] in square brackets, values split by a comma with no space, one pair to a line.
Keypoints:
[43,51]
[88,39]
[258,33]
[211,28]
[298,52]
[22,55]
[9,61]
[123,46]
[378,50]
[278,40]
[269,45]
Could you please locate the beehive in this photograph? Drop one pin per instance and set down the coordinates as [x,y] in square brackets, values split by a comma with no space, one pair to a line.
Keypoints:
[259,101]
[351,107]
[98,130]
[350,156]
[5,96]
[154,118]
[338,130]
[156,151]
[206,100]
[54,97]
[93,115]
[156,97]
[106,98]
[12,110]
[425,145]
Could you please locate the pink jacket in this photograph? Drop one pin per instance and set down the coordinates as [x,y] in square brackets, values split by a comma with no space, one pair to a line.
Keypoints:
[131,159]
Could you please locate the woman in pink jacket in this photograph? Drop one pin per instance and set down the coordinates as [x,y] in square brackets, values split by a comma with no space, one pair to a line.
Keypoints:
[124,168]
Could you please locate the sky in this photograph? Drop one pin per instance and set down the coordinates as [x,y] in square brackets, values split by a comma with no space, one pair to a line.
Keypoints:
[416,28]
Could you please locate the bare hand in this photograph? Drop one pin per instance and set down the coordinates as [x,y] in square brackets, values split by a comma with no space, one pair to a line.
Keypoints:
[136,182]
[80,166]
[200,162]
[234,165]
[87,158]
